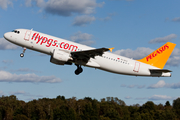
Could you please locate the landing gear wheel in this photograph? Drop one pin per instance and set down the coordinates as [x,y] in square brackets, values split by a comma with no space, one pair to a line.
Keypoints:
[21,55]
[78,70]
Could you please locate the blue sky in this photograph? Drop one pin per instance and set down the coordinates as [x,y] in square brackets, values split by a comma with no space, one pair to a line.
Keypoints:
[134,27]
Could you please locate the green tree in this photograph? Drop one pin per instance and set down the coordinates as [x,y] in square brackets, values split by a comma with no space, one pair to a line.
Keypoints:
[20,117]
[176,106]
[167,104]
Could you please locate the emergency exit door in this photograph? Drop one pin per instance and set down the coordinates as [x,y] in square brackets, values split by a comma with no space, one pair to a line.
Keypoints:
[136,67]
[27,35]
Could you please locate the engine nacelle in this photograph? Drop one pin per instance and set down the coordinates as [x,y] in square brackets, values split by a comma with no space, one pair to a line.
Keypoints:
[60,57]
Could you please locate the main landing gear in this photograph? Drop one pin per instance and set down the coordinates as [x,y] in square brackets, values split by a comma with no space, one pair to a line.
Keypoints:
[22,54]
[78,70]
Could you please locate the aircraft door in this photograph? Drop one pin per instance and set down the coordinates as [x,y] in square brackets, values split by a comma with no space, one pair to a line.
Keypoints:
[27,35]
[136,67]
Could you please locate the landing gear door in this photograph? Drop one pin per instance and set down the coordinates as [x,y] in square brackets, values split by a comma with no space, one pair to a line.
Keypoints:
[136,67]
[27,35]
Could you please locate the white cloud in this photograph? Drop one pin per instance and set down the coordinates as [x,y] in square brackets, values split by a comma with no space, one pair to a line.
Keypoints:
[174,59]
[25,70]
[173,85]
[176,52]
[157,97]
[40,3]
[83,38]
[177,19]
[17,93]
[68,7]
[7,61]
[9,77]
[141,98]
[128,97]
[5,3]
[28,3]
[141,86]
[4,44]
[21,92]
[163,39]
[139,53]
[83,20]
[109,17]
[133,86]
[161,97]
[162,84]
[25,94]
[159,84]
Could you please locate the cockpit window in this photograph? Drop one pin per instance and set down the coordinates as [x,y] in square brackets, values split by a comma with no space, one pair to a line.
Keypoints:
[16,31]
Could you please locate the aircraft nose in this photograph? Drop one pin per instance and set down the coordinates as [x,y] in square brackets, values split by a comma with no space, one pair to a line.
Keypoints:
[6,36]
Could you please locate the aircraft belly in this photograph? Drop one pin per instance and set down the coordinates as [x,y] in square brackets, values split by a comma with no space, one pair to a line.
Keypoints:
[91,63]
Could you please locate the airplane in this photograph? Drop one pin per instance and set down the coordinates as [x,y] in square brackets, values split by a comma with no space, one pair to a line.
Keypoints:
[64,52]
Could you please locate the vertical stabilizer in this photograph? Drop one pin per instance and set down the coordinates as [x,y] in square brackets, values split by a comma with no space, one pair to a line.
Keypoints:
[159,57]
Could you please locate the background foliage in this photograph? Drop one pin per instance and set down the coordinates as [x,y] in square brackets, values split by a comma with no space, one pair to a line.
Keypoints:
[108,108]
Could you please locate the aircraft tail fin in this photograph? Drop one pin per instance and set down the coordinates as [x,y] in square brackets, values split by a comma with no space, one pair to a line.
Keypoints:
[159,57]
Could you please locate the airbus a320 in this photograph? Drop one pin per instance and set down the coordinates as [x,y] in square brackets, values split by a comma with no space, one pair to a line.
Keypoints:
[64,52]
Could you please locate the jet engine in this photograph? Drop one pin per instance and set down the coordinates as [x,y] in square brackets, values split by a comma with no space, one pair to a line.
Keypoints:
[60,57]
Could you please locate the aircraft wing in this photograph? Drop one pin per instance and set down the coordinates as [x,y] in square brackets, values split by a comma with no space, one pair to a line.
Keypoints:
[87,54]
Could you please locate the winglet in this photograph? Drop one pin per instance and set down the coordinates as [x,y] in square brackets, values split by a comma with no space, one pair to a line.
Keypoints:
[111,49]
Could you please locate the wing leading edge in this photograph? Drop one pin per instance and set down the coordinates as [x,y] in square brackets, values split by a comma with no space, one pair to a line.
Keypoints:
[90,53]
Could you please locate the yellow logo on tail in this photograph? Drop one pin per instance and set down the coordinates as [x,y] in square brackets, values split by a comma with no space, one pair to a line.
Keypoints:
[159,57]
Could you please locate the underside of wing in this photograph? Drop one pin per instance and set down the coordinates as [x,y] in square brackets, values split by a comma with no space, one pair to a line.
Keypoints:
[84,57]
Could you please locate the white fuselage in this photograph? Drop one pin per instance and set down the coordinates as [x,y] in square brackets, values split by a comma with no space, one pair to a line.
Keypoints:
[108,61]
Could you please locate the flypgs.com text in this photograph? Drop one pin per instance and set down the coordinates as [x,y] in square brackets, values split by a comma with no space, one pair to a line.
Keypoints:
[52,42]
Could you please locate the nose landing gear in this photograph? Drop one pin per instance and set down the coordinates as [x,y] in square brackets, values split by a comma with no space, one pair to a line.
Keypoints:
[22,54]
[78,70]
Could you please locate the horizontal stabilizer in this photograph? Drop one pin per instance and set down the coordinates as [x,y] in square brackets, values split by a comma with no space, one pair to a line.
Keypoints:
[159,70]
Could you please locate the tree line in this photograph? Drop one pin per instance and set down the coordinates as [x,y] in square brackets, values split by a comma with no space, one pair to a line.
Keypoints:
[109,108]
